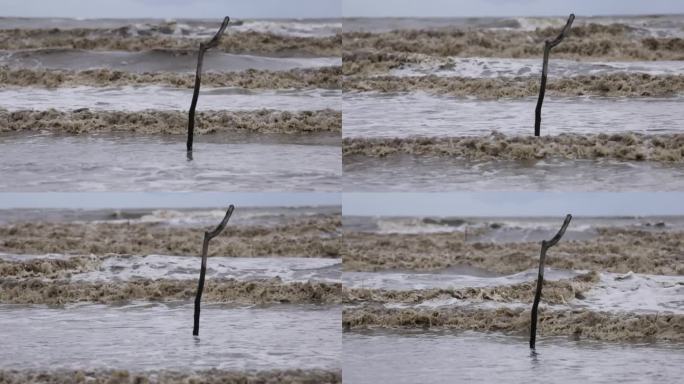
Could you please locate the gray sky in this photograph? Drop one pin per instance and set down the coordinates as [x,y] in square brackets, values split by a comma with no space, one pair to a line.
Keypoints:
[239,9]
[513,204]
[118,200]
[464,8]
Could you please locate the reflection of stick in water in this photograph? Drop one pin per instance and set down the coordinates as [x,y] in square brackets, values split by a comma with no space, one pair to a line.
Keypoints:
[545,245]
[198,79]
[205,247]
[548,44]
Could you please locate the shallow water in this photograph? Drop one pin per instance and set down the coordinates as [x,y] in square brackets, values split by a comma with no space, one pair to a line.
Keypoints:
[116,163]
[159,60]
[131,98]
[636,293]
[143,337]
[453,278]
[420,114]
[484,67]
[288,269]
[181,217]
[438,174]
[508,229]
[448,357]
[644,25]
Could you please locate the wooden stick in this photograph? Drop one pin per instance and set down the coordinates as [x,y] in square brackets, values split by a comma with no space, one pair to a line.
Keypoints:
[545,245]
[198,79]
[548,44]
[203,270]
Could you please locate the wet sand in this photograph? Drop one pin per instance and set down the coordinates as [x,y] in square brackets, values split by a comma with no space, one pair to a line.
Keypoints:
[305,237]
[555,292]
[299,78]
[667,148]
[171,122]
[609,85]
[122,40]
[259,292]
[613,250]
[309,376]
[577,324]
[593,41]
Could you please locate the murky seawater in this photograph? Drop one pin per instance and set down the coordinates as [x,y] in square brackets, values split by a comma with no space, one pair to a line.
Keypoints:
[36,163]
[469,357]
[160,60]
[288,269]
[671,25]
[181,27]
[485,67]
[177,217]
[613,292]
[126,268]
[131,98]
[420,114]
[453,278]
[144,337]
[430,174]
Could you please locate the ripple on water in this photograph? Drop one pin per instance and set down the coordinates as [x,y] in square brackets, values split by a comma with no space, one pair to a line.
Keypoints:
[429,174]
[106,163]
[146,337]
[447,357]
[420,114]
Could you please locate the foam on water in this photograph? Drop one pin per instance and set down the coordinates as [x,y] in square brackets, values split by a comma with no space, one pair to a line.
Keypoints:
[406,281]
[145,337]
[190,28]
[180,217]
[288,269]
[426,174]
[132,98]
[670,25]
[420,114]
[449,357]
[637,293]
[483,67]
[105,163]
[160,60]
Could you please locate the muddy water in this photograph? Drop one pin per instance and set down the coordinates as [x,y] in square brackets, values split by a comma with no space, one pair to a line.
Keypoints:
[447,357]
[420,114]
[186,267]
[453,278]
[191,28]
[154,60]
[415,173]
[108,162]
[131,98]
[483,67]
[144,337]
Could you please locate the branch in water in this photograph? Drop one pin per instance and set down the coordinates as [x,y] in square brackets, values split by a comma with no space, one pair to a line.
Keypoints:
[198,80]
[548,44]
[203,269]
[545,245]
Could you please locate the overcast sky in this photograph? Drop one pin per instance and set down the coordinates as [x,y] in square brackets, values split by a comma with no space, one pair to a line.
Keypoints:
[239,9]
[463,8]
[513,204]
[119,200]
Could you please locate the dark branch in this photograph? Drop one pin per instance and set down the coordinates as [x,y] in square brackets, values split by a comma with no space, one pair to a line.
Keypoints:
[198,80]
[564,32]
[203,269]
[548,44]
[545,245]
